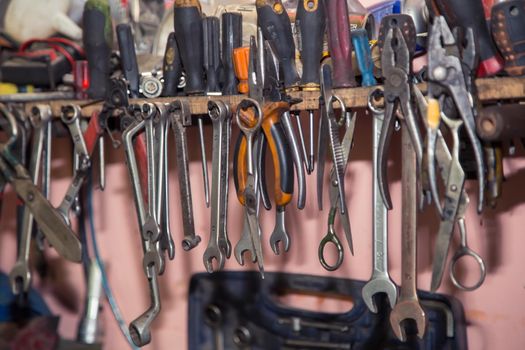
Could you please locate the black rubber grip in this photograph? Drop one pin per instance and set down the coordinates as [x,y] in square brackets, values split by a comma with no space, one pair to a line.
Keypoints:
[97,40]
[508,30]
[231,39]
[212,52]
[188,32]
[275,24]
[128,57]
[470,13]
[171,67]
[285,158]
[236,161]
[501,123]
[310,22]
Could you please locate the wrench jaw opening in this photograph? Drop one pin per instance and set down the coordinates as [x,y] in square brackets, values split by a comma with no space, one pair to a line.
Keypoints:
[213,254]
[379,285]
[20,278]
[279,235]
[407,310]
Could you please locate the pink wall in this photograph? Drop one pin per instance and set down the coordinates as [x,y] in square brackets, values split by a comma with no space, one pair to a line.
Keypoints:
[495,312]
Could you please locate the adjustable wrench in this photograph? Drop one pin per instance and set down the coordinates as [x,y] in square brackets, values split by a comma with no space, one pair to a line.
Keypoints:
[380,282]
[180,117]
[219,245]
[20,275]
[407,306]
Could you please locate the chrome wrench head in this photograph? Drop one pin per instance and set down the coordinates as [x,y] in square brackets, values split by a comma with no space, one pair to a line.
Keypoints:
[404,310]
[279,235]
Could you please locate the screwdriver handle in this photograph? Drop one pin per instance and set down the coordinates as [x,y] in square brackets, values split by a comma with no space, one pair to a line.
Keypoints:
[310,21]
[339,43]
[212,52]
[97,40]
[508,30]
[501,123]
[188,33]
[128,58]
[231,39]
[470,13]
[273,19]
[241,59]
[171,67]
[364,57]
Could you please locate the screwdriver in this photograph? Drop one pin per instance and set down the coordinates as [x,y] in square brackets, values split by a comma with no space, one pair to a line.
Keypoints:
[212,61]
[470,14]
[310,22]
[231,40]
[339,43]
[128,58]
[98,41]
[190,41]
[364,57]
[171,67]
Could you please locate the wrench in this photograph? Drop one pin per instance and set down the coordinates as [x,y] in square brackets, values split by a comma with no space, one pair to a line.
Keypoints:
[20,275]
[407,306]
[180,116]
[380,282]
[219,246]
[279,234]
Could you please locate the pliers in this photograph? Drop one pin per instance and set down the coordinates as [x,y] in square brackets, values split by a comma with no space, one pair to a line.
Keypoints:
[447,75]
[396,68]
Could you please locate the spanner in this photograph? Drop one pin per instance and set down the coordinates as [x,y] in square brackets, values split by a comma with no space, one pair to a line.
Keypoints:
[407,306]
[380,282]
[180,117]
[219,246]
[20,275]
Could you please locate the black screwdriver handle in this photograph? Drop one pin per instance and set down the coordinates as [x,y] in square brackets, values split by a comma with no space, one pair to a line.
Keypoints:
[231,39]
[310,22]
[212,52]
[97,40]
[171,67]
[188,33]
[508,30]
[273,19]
[128,57]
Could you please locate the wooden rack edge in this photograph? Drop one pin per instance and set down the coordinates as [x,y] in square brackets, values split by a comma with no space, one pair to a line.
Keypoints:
[489,89]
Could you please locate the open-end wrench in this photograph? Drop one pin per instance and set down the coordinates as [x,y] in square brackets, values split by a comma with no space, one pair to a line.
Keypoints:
[219,246]
[407,306]
[279,235]
[180,117]
[20,275]
[380,282]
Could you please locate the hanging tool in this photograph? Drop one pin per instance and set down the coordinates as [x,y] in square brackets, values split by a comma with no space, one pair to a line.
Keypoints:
[364,57]
[231,40]
[48,219]
[408,306]
[219,245]
[180,119]
[329,128]
[171,67]
[397,46]
[188,32]
[508,31]
[331,235]
[501,123]
[98,42]
[128,58]
[470,14]
[340,43]
[212,53]
[380,282]
[274,26]
[20,275]
[145,204]
[445,74]
[310,22]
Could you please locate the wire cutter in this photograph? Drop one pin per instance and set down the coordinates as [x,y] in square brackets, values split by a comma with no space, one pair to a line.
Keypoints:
[396,67]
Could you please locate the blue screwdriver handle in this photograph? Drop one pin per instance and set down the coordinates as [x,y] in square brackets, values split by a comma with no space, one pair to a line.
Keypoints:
[364,57]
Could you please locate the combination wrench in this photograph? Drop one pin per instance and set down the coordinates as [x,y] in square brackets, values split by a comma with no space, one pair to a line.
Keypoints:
[20,275]
[380,282]
[219,246]
[180,118]
[407,306]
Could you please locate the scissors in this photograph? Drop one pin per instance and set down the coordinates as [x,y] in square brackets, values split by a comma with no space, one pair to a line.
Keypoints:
[331,235]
